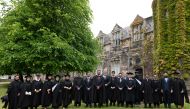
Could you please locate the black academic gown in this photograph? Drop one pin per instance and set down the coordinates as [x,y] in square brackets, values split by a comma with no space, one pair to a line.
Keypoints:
[120,90]
[66,93]
[13,92]
[25,100]
[98,89]
[56,94]
[156,86]
[179,92]
[37,92]
[113,90]
[148,91]
[47,95]
[88,91]
[78,89]
[106,88]
[138,90]
[130,85]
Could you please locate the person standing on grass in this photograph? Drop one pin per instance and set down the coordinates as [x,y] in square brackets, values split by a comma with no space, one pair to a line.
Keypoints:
[130,85]
[37,91]
[98,82]
[179,90]
[120,90]
[156,85]
[13,92]
[106,86]
[147,91]
[113,89]
[67,91]
[78,90]
[138,89]
[166,90]
[47,92]
[56,93]
[88,90]
[25,99]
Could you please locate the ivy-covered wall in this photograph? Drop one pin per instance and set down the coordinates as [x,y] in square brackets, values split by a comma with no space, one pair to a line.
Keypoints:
[171,36]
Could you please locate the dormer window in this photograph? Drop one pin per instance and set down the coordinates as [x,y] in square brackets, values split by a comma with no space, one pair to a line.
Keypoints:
[117,38]
[102,40]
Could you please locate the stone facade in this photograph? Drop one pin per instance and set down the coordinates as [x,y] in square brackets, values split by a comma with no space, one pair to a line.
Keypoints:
[123,47]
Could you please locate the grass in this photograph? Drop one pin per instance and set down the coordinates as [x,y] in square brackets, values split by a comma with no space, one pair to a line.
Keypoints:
[3,88]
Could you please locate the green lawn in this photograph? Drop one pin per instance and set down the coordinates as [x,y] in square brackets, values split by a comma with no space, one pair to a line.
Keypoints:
[3,88]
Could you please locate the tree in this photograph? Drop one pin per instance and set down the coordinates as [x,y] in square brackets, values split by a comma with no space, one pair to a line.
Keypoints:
[47,36]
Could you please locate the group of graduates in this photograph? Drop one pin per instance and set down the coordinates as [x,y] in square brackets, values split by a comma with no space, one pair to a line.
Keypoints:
[99,90]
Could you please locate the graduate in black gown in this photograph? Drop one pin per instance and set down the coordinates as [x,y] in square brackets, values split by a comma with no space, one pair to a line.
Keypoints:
[147,91]
[106,78]
[156,86]
[13,92]
[57,93]
[179,90]
[98,89]
[120,90]
[130,85]
[88,90]
[78,90]
[113,89]
[37,91]
[138,89]
[166,90]
[67,91]
[25,100]
[47,92]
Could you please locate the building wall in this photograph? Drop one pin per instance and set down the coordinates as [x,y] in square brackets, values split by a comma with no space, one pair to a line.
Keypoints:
[123,47]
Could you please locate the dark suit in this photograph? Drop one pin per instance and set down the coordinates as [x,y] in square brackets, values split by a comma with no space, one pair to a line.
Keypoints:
[166,87]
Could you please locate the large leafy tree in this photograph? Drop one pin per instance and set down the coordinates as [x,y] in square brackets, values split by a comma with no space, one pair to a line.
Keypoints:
[47,36]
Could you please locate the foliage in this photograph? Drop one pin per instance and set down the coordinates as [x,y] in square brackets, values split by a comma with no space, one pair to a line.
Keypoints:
[148,54]
[47,36]
[171,47]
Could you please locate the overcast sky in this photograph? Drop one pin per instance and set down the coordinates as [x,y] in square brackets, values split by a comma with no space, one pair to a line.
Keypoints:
[106,13]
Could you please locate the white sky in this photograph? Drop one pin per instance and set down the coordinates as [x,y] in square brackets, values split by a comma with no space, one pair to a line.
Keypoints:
[106,13]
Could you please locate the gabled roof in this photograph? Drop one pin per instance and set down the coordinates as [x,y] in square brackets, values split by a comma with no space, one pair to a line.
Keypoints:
[138,20]
[116,28]
[101,34]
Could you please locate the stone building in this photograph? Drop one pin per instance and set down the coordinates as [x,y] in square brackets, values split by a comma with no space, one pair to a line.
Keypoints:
[123,47]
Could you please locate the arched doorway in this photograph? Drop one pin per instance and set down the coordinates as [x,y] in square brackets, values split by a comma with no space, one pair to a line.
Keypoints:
[139,73]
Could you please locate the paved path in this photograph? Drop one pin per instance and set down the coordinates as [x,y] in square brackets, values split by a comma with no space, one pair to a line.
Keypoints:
[4,83]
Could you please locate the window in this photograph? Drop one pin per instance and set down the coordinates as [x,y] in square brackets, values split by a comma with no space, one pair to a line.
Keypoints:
[130,62]
[135,37]
[102,40]
[116,68]
[138,60]
[117,38]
